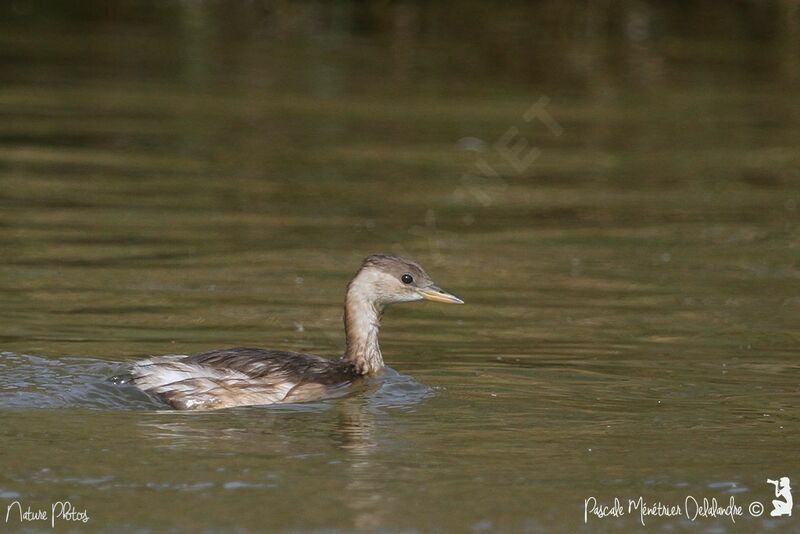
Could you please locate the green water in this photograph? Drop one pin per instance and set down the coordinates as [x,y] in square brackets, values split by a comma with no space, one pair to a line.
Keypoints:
[200,175]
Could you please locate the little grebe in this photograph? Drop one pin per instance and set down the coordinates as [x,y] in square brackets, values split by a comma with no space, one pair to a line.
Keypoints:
[248,376]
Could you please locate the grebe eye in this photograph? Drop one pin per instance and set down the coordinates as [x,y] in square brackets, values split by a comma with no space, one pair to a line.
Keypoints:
[407,278]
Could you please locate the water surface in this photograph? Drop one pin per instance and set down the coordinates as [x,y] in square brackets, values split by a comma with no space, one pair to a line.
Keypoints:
[189,178]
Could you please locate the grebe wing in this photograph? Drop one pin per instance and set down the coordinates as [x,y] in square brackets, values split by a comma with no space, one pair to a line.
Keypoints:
[258,363]
[238,377]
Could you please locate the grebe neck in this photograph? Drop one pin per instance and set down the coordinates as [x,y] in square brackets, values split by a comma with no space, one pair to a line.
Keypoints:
[362,317]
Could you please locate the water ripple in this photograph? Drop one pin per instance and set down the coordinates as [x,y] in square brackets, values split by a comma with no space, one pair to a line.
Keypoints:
[28,381]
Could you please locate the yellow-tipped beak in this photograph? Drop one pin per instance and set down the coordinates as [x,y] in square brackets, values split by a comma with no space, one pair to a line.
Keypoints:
[438,294]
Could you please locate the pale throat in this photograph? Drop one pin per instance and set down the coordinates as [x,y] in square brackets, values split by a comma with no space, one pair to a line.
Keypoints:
[362,316]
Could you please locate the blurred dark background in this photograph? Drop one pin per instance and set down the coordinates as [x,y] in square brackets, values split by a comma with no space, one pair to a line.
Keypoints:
[590,44]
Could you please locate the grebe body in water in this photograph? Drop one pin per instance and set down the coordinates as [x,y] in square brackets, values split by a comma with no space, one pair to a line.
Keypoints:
[249,376]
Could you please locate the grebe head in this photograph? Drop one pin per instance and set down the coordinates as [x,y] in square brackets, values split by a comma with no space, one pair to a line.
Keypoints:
[382,280]
[385,279]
